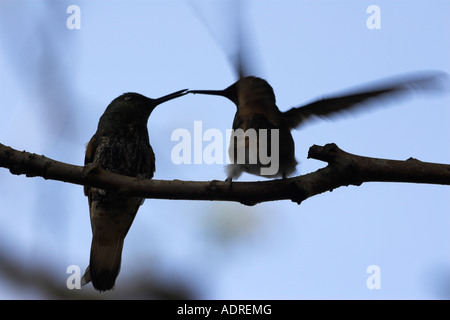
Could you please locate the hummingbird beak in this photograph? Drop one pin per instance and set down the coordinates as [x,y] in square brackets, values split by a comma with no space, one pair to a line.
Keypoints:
[210,92]
[229,93]
[170,96]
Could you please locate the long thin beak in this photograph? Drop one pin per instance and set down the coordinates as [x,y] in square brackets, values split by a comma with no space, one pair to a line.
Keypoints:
[230,93]
[170,96]
[222,93]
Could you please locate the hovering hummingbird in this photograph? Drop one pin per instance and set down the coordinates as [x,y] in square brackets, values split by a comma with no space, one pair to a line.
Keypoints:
[257,109]
[120,145]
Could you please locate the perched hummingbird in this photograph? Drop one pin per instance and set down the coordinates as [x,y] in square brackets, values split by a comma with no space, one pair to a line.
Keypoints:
[120,145]
[257,109]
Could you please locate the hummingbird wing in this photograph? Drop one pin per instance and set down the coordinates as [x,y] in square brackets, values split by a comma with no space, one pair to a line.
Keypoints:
[228,26]
[89,158]
[358,100]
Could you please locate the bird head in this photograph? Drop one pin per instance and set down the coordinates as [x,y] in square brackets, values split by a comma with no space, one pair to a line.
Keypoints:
[245,90]
[133,108]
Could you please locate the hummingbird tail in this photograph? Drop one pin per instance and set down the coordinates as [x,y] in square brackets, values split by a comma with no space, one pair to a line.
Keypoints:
[104,265]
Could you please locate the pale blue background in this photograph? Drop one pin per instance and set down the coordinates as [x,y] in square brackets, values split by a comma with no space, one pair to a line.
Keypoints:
[55,83]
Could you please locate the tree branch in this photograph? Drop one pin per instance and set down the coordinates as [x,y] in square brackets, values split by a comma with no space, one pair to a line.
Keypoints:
[343,169]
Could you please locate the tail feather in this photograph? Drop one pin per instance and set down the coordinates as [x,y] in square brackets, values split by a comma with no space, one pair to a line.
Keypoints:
[110,224]
[86,277]
[104,265]
[110,220]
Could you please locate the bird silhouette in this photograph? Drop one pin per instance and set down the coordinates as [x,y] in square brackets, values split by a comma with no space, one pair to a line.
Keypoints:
[257,110]
[120,145]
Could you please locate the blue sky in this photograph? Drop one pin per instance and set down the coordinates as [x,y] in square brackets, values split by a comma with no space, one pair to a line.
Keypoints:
[56,83]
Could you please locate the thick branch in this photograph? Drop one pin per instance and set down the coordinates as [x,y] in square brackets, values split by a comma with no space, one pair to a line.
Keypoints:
[343,169]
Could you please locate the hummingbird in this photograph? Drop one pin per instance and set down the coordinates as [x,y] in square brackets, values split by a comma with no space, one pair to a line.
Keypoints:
[257,110]
[120,145]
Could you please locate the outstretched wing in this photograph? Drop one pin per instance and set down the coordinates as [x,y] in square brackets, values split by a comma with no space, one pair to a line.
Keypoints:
[361,99]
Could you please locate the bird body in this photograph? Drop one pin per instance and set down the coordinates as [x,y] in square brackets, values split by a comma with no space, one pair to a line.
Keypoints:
[257,110]
[272,139]
[120,145]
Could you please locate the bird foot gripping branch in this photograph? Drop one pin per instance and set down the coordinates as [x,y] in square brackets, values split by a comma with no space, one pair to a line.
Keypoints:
[89,169]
